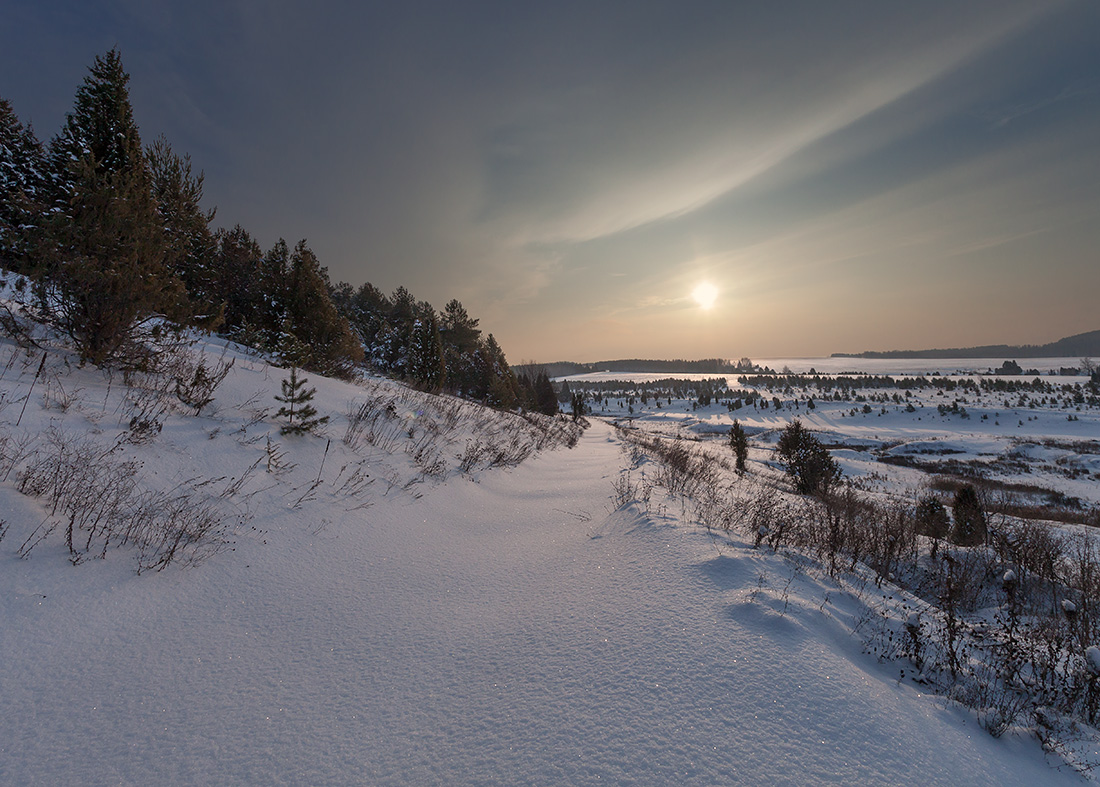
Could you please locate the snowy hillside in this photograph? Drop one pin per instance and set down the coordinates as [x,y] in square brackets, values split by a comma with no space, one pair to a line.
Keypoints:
[424,592]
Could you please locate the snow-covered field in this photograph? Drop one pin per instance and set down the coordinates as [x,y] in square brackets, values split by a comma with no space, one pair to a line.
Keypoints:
[396,601]
[1049,439]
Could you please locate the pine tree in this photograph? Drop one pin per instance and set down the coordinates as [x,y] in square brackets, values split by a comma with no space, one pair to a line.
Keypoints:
[461,342]
[526,392]
[395,342]
[501,393]
[22,192]
[271,327]
[477,373]
[301,416]
[426,352]
[366,309]
[970,525]
[809,464]
[189,244]
[930,518]
[578,406]
[739,442]
[236,281]
[109,271]
[502,390]
[546,398]
[322,339]
[460,329]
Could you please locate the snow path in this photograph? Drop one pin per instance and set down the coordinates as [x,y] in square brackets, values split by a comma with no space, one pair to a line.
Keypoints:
[510,631]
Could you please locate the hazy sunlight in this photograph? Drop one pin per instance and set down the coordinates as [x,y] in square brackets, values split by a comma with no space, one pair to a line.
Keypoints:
[705,294]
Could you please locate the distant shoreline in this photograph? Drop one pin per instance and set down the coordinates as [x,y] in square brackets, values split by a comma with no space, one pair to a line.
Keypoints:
[1063,366]
[1081,345]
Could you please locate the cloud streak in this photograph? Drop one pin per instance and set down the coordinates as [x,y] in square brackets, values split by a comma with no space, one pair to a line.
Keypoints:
[720,121]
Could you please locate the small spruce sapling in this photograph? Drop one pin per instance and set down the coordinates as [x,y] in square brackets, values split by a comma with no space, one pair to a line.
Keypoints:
[301,416]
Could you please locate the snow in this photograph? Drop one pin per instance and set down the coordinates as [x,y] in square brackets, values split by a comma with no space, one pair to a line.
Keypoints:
[1053,443]
[503,626]
[1092,659]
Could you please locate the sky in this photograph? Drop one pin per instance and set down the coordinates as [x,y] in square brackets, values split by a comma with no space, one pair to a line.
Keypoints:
[844,176]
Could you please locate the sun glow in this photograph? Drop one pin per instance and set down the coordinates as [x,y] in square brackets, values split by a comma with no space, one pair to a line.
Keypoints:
[705,294]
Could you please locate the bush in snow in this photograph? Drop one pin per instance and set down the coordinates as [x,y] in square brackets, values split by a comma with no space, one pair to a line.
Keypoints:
[95,498]
[195,382]
[807,461]
[970,524]
[931,518]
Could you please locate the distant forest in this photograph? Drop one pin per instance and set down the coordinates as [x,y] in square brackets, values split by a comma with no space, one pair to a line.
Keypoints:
[705,366]
[1079,346]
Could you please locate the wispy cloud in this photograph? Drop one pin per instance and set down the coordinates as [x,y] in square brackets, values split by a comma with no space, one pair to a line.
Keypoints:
[665,154]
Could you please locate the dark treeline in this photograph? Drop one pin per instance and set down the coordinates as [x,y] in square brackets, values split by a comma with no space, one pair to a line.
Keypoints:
[704,366]
[629,392]
[677,387]
[834,388]
[649,366]
[848,382]
[409,340]
[118,251]
[863,382]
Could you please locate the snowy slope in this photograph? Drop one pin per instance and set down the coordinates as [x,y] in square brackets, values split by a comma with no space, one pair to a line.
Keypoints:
[503,626]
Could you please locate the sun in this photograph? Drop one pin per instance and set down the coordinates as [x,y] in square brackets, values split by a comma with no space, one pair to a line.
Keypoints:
[705,294]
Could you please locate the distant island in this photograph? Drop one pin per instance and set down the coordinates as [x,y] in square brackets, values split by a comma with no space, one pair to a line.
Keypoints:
[1079,346]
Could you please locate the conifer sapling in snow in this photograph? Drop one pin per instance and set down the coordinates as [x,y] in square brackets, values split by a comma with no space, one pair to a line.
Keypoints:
[739,442]
[578,405]
[301,416]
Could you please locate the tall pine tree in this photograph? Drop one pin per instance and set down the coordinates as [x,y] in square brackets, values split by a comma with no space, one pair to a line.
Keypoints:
[366,310]
[502,387]
[189,244]
[271,325]
[426,351]
[109,271]
[461,341]
[546,400]
[321,338]
[236,278]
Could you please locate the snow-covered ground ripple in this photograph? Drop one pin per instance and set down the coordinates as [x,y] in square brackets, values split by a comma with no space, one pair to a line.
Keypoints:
[511,630]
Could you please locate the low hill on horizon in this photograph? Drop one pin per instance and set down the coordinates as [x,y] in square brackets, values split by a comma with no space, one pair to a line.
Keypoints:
[1079,345]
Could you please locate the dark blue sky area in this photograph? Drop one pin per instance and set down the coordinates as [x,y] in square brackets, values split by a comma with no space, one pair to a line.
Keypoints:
[850,176]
